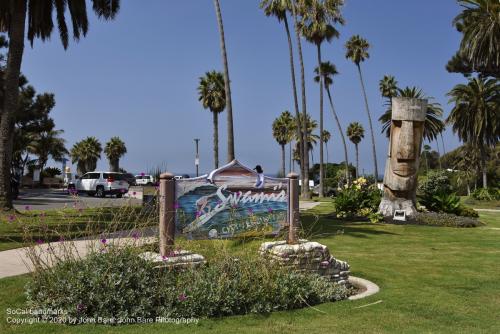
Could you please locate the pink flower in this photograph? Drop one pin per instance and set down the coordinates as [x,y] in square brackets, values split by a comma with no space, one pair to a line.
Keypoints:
[182,297]
[80,307]
[134,193]
[135,235]
[27,207]
[39,241]
[12,218]
[104,241]
[164,258]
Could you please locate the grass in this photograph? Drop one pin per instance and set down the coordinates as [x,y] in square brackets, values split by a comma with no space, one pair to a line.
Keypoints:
[432,280]
[48,225]
[467,200]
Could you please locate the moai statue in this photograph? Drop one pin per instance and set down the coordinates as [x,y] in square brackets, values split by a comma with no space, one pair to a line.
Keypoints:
[400,177]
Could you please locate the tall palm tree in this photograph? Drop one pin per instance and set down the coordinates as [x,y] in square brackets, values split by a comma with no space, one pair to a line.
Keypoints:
[317,27]
[388,87]
[325,138]
[296,9]
[475,116]
[357,50]
[311,138]
[479,23]
[355,132]
[86,153]
[212,94]
[426,152]
[227,86]
[328,71]
[279,9]
[433,125]
[115,149]
[282,133]
[37,17]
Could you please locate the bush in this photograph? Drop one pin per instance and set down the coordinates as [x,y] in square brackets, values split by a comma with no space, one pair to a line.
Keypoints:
[359,198]
[435,182]
[118,284]
[466,211]
[486,194]
[445,219]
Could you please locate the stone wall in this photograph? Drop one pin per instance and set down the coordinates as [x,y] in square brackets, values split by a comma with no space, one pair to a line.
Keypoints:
[307,256]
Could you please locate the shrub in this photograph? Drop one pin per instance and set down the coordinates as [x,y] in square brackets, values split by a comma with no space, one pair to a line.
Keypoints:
[441,202]
[435,182]
[359,198]
[445,219]
[486,194]
[466,211]
[118,283]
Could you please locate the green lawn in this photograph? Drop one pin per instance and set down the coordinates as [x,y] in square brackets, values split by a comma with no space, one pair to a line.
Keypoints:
[432,280]
[18,227]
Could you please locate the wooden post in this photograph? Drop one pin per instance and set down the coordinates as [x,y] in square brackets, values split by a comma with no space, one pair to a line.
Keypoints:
[293,208]
[167,213]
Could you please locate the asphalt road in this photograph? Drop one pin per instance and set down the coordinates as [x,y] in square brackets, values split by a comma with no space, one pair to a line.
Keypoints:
[49,199]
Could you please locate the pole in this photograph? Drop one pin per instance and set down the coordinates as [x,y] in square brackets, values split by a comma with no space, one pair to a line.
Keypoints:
[167,213]
[197,159]
[293,208]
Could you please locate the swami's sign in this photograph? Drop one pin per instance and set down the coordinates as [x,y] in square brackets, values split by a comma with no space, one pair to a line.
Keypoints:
[229,202]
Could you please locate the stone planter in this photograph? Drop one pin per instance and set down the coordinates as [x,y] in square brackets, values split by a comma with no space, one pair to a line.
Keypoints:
[307,256]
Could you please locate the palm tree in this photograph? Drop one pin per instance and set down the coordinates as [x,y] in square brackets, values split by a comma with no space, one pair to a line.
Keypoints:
[296,9]
[86,153]
[328,71]
[355,132]
[14,17]
[278,9]
[433,125]
[114,150]
[425,153]
[212,94]
[357,51]
[227,86]
[311,138]
[325,138]
[388,87]
[479,23]
[475,117]
[317,27]
[47,144]
[282,133]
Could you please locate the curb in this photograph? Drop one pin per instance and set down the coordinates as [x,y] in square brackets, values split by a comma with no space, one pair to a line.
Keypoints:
[369,288]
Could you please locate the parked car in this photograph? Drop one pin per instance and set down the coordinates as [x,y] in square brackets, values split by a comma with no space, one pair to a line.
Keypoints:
[102,183]
[144,180]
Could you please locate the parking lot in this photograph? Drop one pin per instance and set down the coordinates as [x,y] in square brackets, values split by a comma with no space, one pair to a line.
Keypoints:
[47,199]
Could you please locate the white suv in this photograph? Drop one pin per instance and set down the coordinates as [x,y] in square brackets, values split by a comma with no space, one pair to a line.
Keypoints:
[144,180]
[102,184]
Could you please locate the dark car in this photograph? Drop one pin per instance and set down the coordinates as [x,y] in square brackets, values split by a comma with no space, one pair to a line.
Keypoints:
[130,178]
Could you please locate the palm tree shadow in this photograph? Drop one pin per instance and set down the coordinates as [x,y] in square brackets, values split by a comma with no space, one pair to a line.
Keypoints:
[322,226]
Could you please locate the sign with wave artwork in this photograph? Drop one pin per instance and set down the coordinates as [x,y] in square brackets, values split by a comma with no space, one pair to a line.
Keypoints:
[228,203]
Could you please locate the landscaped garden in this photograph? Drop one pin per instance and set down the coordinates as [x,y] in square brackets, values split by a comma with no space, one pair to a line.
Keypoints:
[436,279]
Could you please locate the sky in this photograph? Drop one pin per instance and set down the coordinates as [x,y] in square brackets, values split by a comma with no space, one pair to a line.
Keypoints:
[136,77]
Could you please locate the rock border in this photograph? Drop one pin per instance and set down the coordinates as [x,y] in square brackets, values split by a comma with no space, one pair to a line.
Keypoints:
[369,288]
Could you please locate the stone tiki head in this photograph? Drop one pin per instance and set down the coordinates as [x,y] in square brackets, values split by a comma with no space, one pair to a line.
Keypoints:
[400,177]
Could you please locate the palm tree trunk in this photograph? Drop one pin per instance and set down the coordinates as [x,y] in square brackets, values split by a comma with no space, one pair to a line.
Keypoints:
[283,161]
[216,139]
[483,166]
[11,93]
[341,135]
[326,149]
[229,105]
[290,166]
[357,160]
[305,167]
[299,134]
[369,123]
[321,167]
